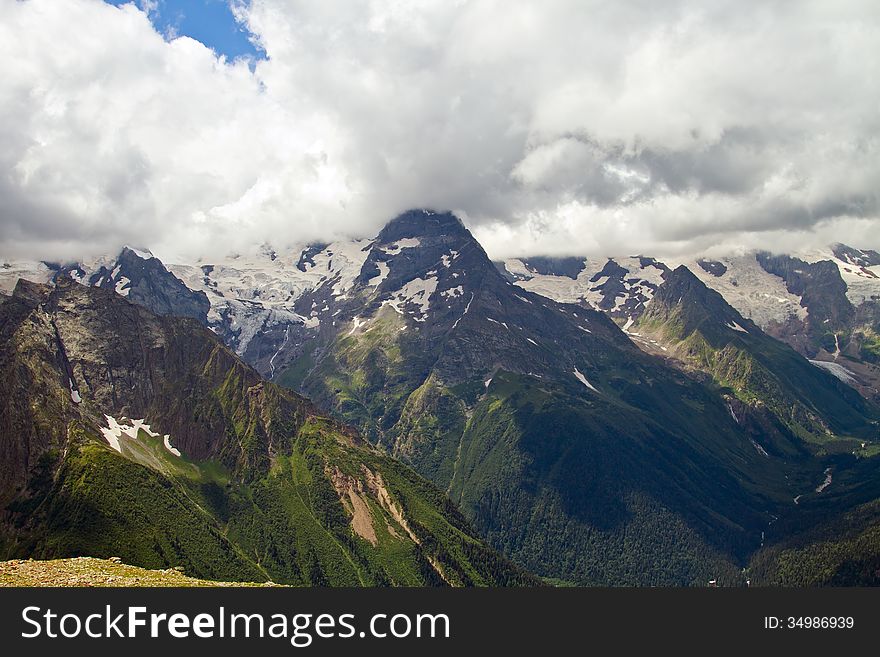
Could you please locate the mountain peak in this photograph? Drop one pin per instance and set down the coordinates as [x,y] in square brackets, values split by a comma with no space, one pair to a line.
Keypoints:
[698,304]
[683,273]
[422,223]
[682,284]
[143,254]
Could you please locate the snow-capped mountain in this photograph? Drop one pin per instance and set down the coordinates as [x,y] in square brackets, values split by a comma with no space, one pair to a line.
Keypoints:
[756,293]
[534,414]
[825,303]
[572,407]
[623,285]
[265,305]
[256,300]
[135,274]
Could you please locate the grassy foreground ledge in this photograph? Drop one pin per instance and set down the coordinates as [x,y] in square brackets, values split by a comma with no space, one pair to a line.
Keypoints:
[89,571]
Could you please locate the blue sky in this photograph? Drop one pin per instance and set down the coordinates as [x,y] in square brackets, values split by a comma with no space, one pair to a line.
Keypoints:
[208,21]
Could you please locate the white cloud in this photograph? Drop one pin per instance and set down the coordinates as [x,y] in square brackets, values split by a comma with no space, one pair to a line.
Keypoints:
[568,126]
[149,6]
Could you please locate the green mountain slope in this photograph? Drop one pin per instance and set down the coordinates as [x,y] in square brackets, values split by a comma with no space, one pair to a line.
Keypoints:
[131,435]
[767,377]
[844,551]
[575,453]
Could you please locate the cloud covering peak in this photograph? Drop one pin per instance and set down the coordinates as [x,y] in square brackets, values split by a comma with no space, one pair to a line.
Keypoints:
[564,127]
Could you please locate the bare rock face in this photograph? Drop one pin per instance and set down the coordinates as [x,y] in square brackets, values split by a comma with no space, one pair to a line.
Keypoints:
[33,386]
[72,352]
[821,289]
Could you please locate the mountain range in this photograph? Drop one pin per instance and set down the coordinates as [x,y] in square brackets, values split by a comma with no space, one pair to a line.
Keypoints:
[143,437]
[624,421]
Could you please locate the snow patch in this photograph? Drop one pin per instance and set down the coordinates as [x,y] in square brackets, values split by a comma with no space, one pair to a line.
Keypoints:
[74,393]
[759,449]
[580,377]
[448,258]
[356,324]
[406,243]
[418,292]
[345,259]
[381,276]
[114,431]
[122,286]
[826,483]
[837,370]
[732,414]
[166,440]
[142,254]
[466,309]
[736,327]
